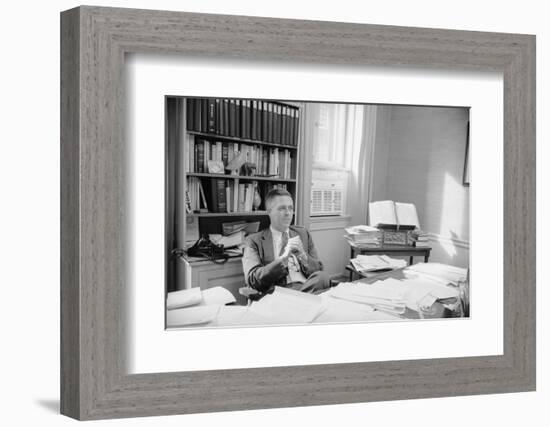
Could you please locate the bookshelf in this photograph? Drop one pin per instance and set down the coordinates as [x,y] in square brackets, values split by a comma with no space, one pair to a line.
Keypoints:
[200,197]
[262,134]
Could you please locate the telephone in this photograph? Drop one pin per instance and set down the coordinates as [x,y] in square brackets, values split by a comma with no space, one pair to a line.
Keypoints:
[204,247]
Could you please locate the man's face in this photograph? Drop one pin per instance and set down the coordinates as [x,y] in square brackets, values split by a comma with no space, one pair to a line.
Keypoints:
[281,212]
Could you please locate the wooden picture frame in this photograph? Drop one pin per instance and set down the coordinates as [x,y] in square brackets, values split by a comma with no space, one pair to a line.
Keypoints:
[94,41]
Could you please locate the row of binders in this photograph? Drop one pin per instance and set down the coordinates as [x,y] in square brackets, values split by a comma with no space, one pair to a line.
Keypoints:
[269,161]
[219,195]
[243,118]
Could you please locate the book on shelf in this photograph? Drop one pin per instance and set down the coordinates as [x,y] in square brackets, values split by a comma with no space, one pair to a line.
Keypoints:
[194,194]
[203,102]
[264,121]
[270,161]
[218,202]
[212,122]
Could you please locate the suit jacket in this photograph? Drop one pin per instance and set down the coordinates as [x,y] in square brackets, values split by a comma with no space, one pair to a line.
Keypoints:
[262,269]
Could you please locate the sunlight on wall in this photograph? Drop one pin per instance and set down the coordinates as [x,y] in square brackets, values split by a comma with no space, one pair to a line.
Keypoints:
[452,221]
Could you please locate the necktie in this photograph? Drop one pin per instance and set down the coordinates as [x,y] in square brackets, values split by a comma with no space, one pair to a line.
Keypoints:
[284,241]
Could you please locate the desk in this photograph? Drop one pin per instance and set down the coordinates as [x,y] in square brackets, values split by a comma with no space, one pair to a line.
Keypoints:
[200,272]
[395,250]
[336,310]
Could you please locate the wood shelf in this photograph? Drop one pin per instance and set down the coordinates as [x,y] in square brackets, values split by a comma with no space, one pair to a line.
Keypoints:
[244,177]
[241,140]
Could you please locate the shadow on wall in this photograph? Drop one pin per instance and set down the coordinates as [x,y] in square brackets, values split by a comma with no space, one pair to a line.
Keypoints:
[450,250]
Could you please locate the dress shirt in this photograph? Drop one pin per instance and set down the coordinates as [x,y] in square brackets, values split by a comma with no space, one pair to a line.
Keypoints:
[294,271]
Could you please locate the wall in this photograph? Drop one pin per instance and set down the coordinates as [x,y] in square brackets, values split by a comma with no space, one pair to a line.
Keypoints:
[419,158]
[333,250]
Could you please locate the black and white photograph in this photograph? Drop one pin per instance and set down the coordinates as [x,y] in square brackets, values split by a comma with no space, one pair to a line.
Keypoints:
[285,212]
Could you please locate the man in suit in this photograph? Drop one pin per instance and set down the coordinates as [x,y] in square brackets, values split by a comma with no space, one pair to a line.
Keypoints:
[283,254]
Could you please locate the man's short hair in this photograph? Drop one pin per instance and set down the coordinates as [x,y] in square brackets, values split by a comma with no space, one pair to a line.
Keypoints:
[275,192]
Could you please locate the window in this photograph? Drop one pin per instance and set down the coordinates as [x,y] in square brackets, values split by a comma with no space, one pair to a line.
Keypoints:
[336,140]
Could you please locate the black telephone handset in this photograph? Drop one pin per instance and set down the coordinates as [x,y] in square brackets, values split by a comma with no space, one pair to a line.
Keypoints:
[204,247]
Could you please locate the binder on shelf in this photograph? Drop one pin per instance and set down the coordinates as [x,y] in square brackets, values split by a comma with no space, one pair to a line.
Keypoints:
[204,114]
[234,117]
[211,115]
[197,114]
[218,116]
[190,113]
[296,127]
[226,119]
[254,120]
[245,119]
[264,115]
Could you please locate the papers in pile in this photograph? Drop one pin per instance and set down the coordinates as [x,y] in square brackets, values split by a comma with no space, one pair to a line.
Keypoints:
[363,235]
[287,306]
[376,295]
[194,306]
[441,273]
[376,263]
[394,295]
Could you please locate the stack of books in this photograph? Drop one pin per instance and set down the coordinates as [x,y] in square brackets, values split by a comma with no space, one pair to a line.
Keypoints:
[420,239]
[363,235]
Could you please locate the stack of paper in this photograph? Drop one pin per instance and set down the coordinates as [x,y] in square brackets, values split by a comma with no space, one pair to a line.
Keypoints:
[193,306]
[420,293]
[377,295]
[376,263]
[392,295]
[191,315]
[287,306]
[185,298]
[441,273]
[363,235]
[229,241]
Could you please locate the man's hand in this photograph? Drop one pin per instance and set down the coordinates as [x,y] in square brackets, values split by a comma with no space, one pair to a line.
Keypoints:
[295,247]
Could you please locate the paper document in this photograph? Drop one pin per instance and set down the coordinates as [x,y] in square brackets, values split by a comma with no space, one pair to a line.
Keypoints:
[365,263]
[418,292]
[238,315]
[183,298]
[217,296]
[287,306]
[443,273]
[191,315]
[377,295]
[340,310]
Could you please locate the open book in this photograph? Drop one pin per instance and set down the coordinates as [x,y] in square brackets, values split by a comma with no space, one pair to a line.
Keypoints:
[387,212]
